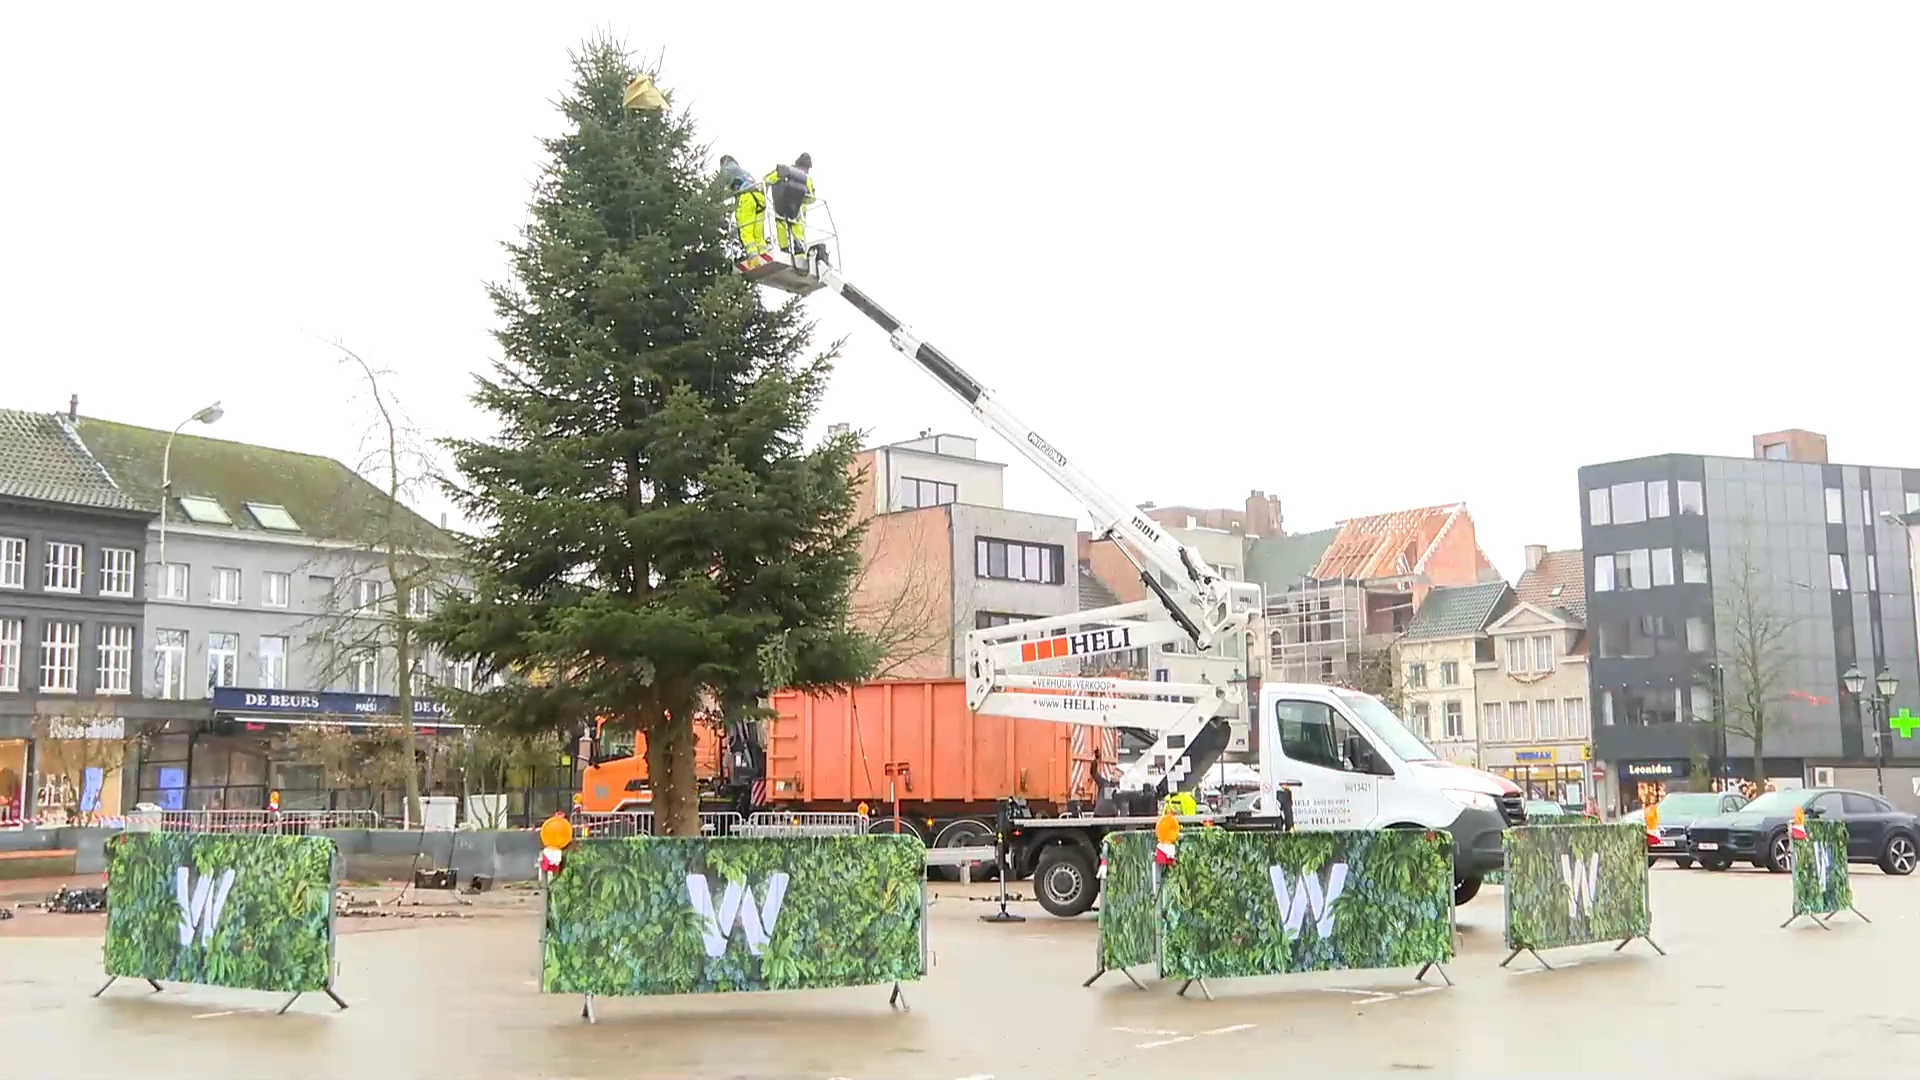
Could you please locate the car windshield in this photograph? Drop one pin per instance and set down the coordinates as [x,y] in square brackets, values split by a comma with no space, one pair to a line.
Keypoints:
[1699,804]
[1544,808]
[1779,802]
[1391,729]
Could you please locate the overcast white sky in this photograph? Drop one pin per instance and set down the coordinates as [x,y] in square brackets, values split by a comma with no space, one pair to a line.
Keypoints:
[1363,256]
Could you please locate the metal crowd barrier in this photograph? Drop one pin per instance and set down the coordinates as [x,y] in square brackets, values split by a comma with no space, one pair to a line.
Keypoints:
[780,823]
[250,821]
[640,823]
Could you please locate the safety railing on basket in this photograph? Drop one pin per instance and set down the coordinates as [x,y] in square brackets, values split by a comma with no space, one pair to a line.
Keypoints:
[285,822]
[641,823]
[781,823]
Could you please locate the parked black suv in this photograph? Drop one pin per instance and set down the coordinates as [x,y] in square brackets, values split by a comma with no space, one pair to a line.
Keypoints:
[1757,832]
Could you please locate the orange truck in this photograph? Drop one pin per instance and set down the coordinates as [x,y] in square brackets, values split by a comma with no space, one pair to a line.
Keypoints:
[914,740]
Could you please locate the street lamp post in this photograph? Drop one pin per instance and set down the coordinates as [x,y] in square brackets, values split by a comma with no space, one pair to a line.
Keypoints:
[1875,709]
[207,415]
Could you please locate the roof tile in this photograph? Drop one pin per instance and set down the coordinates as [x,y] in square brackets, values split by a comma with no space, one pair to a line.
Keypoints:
[42,460]
[1387,545]
[1460,610]
[1558,580]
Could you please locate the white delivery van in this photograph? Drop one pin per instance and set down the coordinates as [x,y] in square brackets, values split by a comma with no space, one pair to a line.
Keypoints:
[1352,764]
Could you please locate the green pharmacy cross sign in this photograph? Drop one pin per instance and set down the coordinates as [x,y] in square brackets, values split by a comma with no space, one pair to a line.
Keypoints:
[1904,723]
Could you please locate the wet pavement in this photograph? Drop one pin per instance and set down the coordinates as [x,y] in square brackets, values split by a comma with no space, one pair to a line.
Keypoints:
[456,998]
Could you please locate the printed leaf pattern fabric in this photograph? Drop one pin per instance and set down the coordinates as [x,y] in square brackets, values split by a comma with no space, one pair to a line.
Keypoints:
[685,915]
[1814,892]
[1575,885]
[1129,911]
[1266,903]
[242,911]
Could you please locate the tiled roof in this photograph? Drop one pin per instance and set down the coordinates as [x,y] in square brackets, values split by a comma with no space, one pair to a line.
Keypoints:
[1466,609]
[40,459]
[1559,580]
[327,500]
[1093,593]
[1387,545]
[1279,562]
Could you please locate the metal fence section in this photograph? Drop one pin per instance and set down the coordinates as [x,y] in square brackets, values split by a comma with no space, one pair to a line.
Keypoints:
[641,823]
[292,822]
[769,823]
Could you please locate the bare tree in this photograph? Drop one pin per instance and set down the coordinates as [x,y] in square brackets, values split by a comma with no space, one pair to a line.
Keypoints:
[899,600]
[371,759]
[1375,675]
[386,579]
[86,736]
[1752,649]
[492,762]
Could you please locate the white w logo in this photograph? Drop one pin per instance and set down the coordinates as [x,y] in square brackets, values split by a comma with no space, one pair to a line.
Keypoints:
[1306,894]
[1822,862]
[736,904]
[201,906]
[1583,882]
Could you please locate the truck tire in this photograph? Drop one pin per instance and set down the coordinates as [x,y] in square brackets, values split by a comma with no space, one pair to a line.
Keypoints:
[1464,890]
[966,832]
[1063,881]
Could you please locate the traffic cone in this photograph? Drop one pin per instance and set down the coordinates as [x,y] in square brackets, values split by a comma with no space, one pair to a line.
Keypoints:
[1798,830]
[1653,826]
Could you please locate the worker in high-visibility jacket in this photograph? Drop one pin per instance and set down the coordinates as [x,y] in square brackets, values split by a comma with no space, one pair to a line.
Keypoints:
[790,189]
[749,204]
[1181,804]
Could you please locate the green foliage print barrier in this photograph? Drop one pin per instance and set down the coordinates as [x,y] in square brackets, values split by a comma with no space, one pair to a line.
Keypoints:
[1266,903]
[1576,884]
[1129,912]
[1820,882]
[669,915]
[249,912]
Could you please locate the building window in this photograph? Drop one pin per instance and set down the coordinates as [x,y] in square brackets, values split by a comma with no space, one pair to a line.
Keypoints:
[226,585]
[64,562]
[275,588]
[460,674]
[1837,572]
[1873,573]
[366,594]
[116,572]
[223,660]
[1493,723]
[1516,656]
[173,581]
[10,634]
[1519,721]
[1011,560]
[1836,507]
[1774,451]
[1576,717]
[1913,502]
[60,658]
[1416,676]
[1692,497]
[366,673]
[1696,634]
[1423,719]
[915,492]
[170,663]
[273,663]
[419,602]
[1662,567]
[1657,499]
[1597,507]
[987,620]
[1866,505]
[1603,573]
[1456,725]
[1701,705]
[116,659]
[1546,719]
[1693,567]
[1645,706]
[1543,653]
[1629,503]
[1449,673]
[13,562]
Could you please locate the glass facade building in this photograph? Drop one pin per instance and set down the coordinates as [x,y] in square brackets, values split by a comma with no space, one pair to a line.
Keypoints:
[1682,550]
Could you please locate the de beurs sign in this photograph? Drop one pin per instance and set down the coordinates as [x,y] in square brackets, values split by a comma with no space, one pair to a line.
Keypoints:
[235,699]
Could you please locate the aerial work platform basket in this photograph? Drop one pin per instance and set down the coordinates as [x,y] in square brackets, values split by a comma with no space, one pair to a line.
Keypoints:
[796,267]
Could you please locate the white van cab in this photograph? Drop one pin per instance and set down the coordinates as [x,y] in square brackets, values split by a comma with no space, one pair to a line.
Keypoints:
[1352,764]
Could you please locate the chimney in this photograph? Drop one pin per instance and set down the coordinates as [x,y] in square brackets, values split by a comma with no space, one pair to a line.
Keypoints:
[1535,552]
[1793,444]
[1263,514]
[73,407]
[443,520]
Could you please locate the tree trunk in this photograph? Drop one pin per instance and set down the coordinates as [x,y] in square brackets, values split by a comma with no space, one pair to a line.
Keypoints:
[1759,754]
[403,659]
[676,790]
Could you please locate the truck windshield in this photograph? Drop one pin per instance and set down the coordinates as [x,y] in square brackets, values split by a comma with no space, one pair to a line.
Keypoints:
[1388,727]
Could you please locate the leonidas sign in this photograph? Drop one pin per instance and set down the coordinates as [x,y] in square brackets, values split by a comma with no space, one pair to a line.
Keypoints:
[65,728]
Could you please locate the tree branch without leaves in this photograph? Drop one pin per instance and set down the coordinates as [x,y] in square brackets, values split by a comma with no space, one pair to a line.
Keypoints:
[1752,647]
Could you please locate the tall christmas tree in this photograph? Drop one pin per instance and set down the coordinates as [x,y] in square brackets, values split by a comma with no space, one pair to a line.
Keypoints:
[660,541]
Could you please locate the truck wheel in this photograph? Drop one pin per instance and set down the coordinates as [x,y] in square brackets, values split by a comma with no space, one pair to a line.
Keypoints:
[1063,881]
[1465,889]
[966,832]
